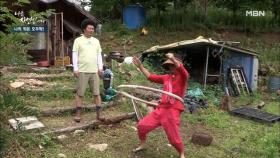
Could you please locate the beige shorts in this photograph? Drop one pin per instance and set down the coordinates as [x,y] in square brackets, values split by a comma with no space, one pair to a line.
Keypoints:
[82,83]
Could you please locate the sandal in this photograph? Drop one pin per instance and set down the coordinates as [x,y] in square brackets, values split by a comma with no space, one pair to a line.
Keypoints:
[138,149]
[77,119]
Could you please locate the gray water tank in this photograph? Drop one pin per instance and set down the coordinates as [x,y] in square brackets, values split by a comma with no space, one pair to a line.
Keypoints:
[39,40]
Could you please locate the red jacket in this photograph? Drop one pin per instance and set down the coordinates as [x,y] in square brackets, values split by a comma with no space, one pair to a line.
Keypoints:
[179,82]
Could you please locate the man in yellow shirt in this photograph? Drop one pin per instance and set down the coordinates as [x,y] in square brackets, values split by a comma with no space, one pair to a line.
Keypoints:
[87,66]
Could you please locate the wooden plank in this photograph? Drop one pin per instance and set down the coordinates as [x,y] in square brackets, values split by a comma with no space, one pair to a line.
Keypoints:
[234,80]
[137,110]
[239,79]
[246,85]
[62,40]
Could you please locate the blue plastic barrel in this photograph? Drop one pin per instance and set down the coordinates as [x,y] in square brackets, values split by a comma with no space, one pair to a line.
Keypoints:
[134,16]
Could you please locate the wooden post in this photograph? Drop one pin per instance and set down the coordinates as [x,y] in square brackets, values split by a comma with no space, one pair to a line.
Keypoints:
[221,69]
[54,41]
[47,42]
[62,41]
[225,103]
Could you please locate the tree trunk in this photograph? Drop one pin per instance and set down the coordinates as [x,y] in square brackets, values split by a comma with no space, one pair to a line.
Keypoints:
[158,16]
[225,103]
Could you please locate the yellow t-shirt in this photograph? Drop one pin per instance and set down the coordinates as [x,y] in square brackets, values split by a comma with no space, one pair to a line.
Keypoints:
[87,49]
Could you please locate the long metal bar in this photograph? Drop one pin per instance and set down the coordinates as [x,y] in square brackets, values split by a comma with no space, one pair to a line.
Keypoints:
[206,68]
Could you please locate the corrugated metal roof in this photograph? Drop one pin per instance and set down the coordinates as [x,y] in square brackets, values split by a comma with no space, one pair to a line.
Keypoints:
[48,1]
[51,1]
[201,41]
[71,27]
[76,5]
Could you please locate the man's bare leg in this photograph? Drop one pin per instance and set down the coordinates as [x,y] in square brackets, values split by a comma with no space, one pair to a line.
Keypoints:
[97,101]
[78,101]
[182,155]
[141,146]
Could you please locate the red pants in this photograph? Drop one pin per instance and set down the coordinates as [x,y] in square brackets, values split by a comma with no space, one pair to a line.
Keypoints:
[169,119]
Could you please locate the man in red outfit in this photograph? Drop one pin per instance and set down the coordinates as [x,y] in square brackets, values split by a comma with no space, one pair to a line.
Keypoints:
[167,113]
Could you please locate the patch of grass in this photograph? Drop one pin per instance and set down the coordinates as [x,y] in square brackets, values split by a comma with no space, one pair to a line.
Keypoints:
[56,93]
[250,139]
[271,101]
[118,28]
[210,117]
[248,99]
[236,137]
[233,137]
[270,55]
[11,106]
[273,107]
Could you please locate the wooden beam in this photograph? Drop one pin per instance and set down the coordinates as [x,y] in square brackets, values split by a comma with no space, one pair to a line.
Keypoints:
[93,124]
[59,111]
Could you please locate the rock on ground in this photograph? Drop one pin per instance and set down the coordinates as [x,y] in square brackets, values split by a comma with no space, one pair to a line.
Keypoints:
[99,147]
[201,139]
[60,155]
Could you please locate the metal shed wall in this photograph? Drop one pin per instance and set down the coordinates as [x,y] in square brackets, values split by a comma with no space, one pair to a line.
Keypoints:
[249,63]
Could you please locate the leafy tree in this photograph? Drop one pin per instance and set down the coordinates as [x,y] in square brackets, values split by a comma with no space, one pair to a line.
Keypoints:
[109,9]
[233,5]
[14,46]
[180,3]
[240,5]
[159,6]
[276,10]
[112,9]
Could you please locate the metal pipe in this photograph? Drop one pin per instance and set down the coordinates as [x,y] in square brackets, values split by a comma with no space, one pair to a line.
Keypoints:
[206,68]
